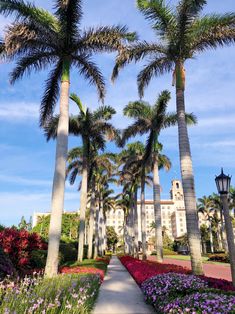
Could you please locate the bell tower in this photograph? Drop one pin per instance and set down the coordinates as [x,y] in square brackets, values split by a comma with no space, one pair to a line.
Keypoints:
[177,194]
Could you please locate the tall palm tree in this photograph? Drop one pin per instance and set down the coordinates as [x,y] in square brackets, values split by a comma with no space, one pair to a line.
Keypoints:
[38,39]
[97,161]
[93,128]
[134,162]
[152,120]
[181,35]
[205,206]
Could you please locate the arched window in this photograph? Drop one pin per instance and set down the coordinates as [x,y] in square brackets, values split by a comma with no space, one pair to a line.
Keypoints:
[177,185]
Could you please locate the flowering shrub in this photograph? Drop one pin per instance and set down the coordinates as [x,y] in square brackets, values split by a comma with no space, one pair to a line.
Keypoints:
[6,266]
[63,294]
[170,285]
[18,244]
[220,284]
[201,303]
[82,270]
[142,270]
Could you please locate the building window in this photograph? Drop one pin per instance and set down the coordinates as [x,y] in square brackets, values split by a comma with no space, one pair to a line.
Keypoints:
[182,230]
[177,185]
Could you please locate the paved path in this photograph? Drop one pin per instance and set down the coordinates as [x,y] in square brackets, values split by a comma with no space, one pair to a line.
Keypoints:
[210,269]
[119,293]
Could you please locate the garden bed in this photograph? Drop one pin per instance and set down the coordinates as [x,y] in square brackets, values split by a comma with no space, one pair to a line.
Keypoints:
[173,289]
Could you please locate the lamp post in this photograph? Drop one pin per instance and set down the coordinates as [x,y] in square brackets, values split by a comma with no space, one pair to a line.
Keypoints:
[223,184]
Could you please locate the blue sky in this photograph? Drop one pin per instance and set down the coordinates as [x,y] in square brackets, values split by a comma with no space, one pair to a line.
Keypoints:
[27,160]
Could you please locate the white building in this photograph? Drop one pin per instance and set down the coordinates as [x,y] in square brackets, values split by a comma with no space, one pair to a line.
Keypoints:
[173,214]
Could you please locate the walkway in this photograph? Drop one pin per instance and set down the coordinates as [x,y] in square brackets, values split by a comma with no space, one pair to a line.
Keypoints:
[211,270]
[119,293]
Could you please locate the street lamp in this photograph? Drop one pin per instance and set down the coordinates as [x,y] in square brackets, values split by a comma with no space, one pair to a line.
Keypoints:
[223,185]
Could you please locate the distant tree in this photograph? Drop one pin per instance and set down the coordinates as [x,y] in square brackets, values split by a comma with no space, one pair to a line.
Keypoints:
[23,224]
[112,237]
[70,225]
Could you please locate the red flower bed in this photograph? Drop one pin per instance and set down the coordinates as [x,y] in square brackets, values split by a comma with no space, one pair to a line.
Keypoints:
[82,270]
[18,244]
[221,284]
[142,270]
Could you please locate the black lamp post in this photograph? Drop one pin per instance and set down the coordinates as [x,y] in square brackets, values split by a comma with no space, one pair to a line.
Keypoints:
[223,185]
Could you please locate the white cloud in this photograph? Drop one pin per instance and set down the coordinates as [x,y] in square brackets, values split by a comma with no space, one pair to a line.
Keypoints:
[18,111]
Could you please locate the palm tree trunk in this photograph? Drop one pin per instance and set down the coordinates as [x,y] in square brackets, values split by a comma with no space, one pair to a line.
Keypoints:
[157,211]
[135,220]
[101,222]
[128,244]
[143,217]
[83,202]
[96,232]
[211,237]
[57,202]
[91,221]
[188,186]
[229,235]
[104,235]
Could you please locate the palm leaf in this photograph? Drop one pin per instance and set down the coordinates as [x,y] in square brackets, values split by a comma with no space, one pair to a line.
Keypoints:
[51,93]
[91,72]
[156,67]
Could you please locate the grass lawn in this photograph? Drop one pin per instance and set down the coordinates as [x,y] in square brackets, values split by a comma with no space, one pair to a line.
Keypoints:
[89,263]
[187,258]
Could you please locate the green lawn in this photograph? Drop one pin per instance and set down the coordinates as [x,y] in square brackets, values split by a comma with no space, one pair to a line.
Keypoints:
[89,263]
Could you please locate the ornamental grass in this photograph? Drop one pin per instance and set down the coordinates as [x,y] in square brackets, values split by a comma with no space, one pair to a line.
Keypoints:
[66,293]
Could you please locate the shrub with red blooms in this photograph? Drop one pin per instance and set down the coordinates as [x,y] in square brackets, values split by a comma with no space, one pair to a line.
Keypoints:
[220,284]
[142,270]
[18,244]
[82,270]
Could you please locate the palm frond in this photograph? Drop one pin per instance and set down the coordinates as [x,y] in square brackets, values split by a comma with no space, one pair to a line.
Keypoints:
[138,109]
[212,31]
[106,38]
[50,127]
[164,162]
[78,102]
[34,61]
[156,67]
[51,94]
[138,127]
[104,112]
[160,14]
[75,153]
[136,52]
[69,14]
[27,11]
[91,72]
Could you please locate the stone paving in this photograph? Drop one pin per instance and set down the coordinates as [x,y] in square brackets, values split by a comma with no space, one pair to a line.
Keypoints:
[119,293]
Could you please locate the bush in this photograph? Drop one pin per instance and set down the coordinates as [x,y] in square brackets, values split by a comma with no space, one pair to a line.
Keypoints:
[19,244]
[221,257]
[38,258]
[6,266]
[200,303]
[68,252]
[162,288]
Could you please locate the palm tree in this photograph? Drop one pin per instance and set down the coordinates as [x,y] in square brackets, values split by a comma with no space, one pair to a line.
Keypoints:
[93,128]
[181,35]
[97,161]
[152,120]
[217,206]
[205,206]
[38,39]
[134,163]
